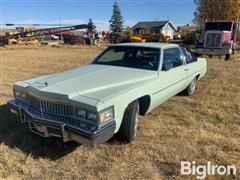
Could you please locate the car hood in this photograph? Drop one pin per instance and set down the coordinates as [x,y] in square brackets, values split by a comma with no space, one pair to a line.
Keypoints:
[93,81]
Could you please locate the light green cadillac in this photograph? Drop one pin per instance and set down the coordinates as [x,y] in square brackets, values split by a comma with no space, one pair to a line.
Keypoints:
[90,104]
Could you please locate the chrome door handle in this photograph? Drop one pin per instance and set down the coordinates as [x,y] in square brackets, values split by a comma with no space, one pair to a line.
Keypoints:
[186,69]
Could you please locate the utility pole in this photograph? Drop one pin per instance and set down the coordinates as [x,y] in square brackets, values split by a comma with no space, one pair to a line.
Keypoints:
[60,24]
[236,34]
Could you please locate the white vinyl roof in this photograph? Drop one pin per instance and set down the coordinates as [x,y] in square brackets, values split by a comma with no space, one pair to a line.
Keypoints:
[150,45]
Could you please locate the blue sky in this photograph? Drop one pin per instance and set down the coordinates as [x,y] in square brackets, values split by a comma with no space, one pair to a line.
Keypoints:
[79,11]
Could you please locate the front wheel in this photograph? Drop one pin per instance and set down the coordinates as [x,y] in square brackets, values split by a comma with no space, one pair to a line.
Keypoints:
[128,129]
[227,57]
[189,91]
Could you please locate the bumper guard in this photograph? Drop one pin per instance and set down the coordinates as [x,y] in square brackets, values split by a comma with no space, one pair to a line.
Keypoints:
[212,51]
[63,127]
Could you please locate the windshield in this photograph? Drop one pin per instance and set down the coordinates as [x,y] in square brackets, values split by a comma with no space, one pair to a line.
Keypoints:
[129,56]
[222,26]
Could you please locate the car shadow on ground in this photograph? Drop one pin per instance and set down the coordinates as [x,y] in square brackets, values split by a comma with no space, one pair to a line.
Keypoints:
[17,135]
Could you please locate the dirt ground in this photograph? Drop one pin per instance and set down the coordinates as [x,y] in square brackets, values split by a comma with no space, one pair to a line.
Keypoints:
[201,128]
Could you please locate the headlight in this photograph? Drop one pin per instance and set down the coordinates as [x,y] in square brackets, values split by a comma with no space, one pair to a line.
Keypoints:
[106,115]
[92,116]
[81,113]
[19,94]
[85,114]
[100,118]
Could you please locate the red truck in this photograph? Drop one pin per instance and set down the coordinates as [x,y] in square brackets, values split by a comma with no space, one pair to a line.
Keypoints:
[219,39]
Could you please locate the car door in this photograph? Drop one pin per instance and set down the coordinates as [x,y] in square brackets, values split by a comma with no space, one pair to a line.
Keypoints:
[191,67]
[172,80]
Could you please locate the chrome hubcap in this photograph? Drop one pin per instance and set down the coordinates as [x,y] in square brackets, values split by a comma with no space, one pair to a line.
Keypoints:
[136,121]
[192,87]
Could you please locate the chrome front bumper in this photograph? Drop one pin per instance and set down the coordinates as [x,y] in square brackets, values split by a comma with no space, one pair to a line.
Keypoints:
[66,128]
[212,51]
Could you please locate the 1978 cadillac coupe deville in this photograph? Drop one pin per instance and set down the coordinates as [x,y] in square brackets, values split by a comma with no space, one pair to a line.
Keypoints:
[90,104]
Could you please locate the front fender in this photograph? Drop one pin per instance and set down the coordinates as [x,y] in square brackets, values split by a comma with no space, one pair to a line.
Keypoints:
[121,102]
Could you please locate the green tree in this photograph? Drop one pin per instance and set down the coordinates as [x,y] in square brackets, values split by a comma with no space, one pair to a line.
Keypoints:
[190,38]
[91,31]
[116,23]
[126,35]
[128,31]
[216,10]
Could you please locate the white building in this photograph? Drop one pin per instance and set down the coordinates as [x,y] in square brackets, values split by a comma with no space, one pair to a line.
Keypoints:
[146,27]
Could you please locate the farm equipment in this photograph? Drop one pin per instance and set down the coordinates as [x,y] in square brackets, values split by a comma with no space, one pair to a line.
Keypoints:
[149,38]
[31,35]
[219,39]
[145,38]
[15,36]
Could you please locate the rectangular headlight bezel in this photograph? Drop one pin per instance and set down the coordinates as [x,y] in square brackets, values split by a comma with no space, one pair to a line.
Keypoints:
[20,95]
[96,117]
[92,116]
[81,113]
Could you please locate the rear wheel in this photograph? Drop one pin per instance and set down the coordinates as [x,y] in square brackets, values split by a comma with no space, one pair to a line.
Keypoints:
[210,56]
[227,57]
[189,91]
[196,55]
[128,129]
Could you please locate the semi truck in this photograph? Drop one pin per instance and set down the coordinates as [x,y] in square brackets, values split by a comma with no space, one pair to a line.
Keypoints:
[219,38]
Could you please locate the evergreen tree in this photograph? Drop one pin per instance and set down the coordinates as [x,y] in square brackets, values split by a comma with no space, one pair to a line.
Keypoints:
[116,23]
[91,31]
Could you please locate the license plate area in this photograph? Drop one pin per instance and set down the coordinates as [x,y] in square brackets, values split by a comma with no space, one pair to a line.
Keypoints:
[38,128]
[22,116]
[43,130]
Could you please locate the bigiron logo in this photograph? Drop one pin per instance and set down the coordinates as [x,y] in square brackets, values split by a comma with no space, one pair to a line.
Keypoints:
[202,171]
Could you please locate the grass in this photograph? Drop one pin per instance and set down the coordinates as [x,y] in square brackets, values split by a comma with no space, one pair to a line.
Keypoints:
[201,128]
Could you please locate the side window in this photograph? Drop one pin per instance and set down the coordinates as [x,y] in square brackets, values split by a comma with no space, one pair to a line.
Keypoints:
[187,55]
[172,56]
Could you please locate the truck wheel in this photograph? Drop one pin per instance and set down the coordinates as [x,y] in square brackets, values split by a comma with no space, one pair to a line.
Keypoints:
[189,91]
[197,55]
[227,57]
[128,129]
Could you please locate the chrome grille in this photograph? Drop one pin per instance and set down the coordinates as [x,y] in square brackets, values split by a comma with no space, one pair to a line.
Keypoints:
[49,107]
[213,40]
[55,108]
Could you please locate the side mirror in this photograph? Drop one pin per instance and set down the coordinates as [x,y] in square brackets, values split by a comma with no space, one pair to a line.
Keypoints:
[167,66]
[194,56]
